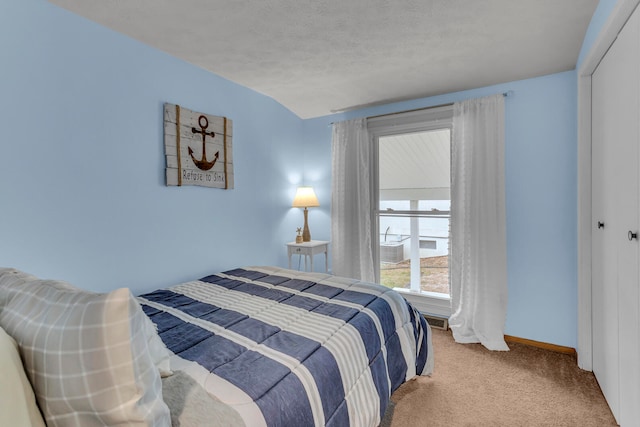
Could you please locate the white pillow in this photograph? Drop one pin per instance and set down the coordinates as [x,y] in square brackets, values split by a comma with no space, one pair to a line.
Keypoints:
[17,403]
[87,355]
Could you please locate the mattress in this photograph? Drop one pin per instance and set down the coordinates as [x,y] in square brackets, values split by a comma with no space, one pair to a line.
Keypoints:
[285,348]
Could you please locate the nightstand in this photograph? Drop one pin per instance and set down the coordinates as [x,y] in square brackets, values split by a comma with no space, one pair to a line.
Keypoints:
[309,249]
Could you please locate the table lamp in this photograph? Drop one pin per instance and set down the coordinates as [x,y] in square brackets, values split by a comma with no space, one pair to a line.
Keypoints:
[305,198]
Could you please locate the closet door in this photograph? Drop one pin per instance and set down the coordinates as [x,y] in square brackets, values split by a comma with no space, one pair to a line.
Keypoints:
[604,288]
[616,195]
[605,228]
[628,250]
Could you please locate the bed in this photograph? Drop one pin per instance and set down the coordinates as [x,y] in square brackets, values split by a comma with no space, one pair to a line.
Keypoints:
[264,346]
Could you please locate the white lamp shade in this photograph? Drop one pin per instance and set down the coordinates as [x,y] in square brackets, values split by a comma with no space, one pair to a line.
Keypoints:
[305,198]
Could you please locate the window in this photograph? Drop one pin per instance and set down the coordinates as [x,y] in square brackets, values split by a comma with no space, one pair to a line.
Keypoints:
[411,186]
[413,215]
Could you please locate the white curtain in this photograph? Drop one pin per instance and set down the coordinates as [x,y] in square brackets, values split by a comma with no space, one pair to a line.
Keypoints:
[478,223]
[351,201]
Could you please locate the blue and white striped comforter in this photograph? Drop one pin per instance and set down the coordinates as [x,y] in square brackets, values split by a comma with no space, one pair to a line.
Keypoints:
[285,348]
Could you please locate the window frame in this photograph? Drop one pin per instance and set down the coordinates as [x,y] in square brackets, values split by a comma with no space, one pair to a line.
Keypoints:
[422,120]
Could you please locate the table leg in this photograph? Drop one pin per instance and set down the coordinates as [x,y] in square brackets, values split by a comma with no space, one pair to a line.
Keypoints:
[326,261]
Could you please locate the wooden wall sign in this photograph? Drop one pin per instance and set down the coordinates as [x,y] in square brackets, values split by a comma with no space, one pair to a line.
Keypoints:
[198,148]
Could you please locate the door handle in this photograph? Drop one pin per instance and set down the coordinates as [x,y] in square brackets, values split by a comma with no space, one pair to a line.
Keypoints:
[631,235]
[600,224]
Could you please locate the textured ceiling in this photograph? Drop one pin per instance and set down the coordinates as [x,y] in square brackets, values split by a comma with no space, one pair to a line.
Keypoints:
[321,56]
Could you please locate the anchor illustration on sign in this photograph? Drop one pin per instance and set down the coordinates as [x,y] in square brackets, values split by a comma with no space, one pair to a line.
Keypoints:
[203,164]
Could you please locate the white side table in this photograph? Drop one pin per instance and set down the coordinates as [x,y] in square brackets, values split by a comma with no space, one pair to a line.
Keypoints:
[309,249]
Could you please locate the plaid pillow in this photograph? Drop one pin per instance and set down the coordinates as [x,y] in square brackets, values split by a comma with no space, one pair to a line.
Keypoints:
[87,355]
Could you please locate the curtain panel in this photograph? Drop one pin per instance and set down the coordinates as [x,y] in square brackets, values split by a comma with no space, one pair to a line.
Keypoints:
[478,223]
[351,239]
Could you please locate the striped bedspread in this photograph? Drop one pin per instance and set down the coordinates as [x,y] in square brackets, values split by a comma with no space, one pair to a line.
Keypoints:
[285,348]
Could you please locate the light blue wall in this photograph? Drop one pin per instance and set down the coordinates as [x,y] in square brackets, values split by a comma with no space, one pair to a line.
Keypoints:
[82,194]
[541,193]
[541,187]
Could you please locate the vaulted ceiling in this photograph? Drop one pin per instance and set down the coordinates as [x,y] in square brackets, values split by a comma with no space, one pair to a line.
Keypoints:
[317,57]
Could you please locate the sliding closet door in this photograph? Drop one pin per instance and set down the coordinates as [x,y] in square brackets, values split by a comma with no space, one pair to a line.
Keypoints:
[628,261]
[615,252]
[604,275]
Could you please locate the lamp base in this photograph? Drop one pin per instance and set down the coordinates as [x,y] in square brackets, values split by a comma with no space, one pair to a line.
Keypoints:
[306,235]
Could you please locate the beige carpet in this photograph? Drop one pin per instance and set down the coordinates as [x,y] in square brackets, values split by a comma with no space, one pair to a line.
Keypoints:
[526,386]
